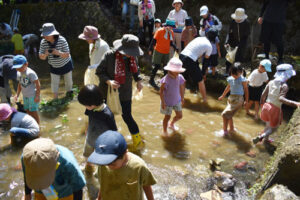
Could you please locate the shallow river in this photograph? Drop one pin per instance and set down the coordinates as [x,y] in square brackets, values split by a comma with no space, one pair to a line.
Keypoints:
[179,163]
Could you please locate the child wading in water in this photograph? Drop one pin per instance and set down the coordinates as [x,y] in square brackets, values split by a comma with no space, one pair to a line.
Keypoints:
[275,93]
[237,85]
[256,82]
[172,93]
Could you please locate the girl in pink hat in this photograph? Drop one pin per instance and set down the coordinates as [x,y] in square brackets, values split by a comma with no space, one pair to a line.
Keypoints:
[172,93]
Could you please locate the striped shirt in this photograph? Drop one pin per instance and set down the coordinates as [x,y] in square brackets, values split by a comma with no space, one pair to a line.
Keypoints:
[62,45]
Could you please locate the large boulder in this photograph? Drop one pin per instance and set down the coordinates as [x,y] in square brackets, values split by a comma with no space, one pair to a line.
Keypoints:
[279,192]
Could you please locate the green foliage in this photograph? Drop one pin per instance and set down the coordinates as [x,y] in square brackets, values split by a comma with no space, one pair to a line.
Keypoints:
[64,118]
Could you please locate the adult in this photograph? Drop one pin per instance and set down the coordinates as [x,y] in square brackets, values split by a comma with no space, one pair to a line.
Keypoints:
[31,44]
[178,15]
[5,31]
[197,48]
[238,33]
[55,47]
[272,18]
[51,169]
[97,48]
[7,73]
[18,42]
[117,69]
[146,11]
[208,21]
[132,10]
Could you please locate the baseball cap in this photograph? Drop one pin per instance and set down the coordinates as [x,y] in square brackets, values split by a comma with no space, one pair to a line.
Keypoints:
[267,64]
[19,61]
[108,147]
[40,159]
[203,10]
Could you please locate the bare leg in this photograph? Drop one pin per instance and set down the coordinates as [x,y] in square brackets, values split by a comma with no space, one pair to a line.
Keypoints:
[202,90]
[256,109]
[177,117]
[165,124]
[248,107]
[231,127]
[35,115]
[213,71]
[225,124]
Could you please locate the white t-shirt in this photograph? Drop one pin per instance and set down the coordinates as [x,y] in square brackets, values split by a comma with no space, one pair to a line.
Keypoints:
[256,79]
[27,81]
[197,48]
[96,53]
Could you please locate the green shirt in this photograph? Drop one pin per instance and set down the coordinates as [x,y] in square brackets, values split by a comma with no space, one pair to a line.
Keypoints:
[18,41]
[127,182]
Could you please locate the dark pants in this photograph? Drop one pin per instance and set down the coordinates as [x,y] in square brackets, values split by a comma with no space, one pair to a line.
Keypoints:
[272,33]
[148,23]
[127,117]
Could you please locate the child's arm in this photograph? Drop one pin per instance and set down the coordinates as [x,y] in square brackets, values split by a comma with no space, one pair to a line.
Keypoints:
[264,95]
[37,92]
[148,192]
[18,92]
[182,89]
[162,98]
[227,89]
[245,85]
[218,48]
[283,91]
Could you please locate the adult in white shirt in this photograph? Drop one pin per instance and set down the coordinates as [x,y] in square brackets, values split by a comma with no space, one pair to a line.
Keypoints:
[97,48]
[197,48]
[178,15]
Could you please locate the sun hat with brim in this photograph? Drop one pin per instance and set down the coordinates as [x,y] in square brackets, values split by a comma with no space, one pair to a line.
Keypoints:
[203,10]
[157,20]
[5,111]
[170,23]
[128,45]
[19,61]
[177,1]
[239,14]
[284,72]
[89,33]
[40,158]
[267,64]
[174,65]
[108,147]
[48,29]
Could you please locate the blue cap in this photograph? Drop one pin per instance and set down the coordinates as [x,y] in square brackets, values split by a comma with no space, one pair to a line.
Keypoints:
[108,147]
[267,64]
[19,61]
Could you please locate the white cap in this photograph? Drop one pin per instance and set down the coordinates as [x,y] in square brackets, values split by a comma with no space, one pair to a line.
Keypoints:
[203,10]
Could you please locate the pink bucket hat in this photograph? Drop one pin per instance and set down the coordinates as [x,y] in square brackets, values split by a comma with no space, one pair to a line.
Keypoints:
[89,33]
[174,65]
[5,111]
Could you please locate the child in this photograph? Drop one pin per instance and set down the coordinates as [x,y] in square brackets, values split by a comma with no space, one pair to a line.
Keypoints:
[18,42]
[256,82]
[237,85]
[275,93]
[29,84]
[157,25]
[189,32]
[122,175]
[100,117]
[162,41]
[22,125]
[212,36]
[172,93]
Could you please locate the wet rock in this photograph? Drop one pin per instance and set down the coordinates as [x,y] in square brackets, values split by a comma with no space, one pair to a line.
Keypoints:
[251,153]
[279,192]
[215,164]
[180,192]
[201,171]
[241,166]
[224,181]
[211,195]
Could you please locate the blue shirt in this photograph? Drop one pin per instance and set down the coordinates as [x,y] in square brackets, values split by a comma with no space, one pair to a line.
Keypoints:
[68,177]
[236,85]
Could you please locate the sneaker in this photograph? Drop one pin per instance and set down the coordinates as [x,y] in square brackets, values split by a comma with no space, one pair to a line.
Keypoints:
[153,84]
[257,139]
[225,133]
[268,140]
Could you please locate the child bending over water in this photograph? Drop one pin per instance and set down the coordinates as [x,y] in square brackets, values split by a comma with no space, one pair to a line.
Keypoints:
[172,93]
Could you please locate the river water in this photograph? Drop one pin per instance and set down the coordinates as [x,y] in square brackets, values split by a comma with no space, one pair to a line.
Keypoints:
[180,162]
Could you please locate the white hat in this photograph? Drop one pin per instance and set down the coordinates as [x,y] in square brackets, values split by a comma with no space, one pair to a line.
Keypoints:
[174,65]
[284,72]
[239,14]
[177,1]
[203,10]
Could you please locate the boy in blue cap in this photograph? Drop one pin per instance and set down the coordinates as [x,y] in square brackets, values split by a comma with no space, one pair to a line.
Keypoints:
[29,84]
[125,171]
[256,82]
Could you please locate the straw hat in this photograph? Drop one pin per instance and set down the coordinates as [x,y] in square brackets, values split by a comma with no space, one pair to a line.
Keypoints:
[239,14]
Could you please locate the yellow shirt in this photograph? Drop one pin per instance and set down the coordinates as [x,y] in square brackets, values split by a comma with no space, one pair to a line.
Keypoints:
[127,182]
[18,41]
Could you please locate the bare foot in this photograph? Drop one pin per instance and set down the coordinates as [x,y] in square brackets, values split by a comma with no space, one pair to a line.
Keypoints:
[164,134]
[173,127]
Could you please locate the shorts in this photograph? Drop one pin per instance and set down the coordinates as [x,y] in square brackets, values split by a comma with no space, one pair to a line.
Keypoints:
[160,58]
[272,114]
[87,149]
[168,109]
[234,103]
[255,92]
[192,73]
[213,60]
[30,105]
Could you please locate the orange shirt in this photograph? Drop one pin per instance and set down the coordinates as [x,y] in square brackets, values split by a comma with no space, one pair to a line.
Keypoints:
[162,44]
